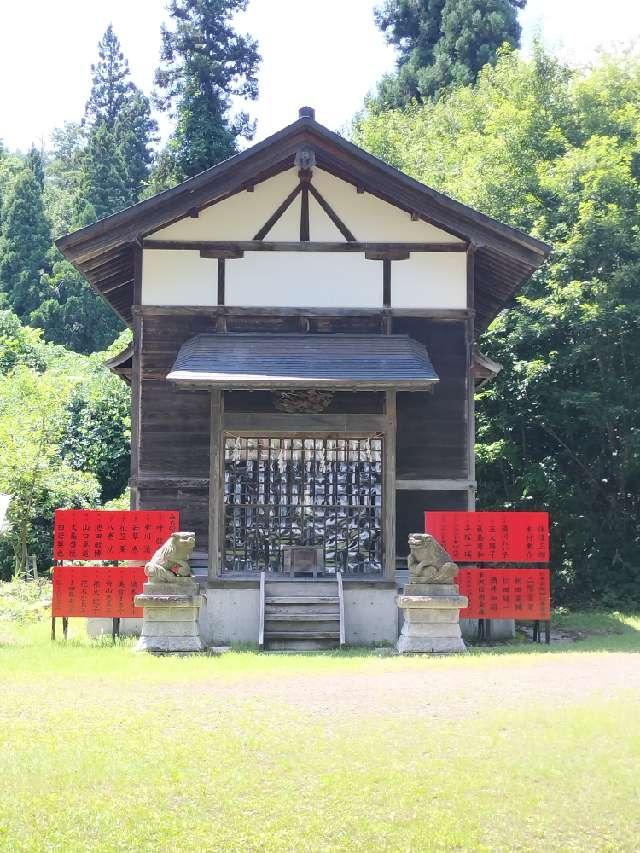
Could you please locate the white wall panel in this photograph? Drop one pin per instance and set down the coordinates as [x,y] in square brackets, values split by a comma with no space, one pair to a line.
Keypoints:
[304,279]
[430,280]
[178,278]
[242,215]
[368,217]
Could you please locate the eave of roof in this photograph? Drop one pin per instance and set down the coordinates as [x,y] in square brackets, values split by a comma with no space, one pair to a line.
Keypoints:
[288,361]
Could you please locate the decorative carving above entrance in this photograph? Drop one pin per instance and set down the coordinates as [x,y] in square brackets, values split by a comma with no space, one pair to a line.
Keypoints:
[311,402]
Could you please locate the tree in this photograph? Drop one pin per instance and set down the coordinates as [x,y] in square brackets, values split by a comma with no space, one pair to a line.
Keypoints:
[19,344]
[71,312]
[111,86]
[442,44]
[204,63]
[25,241]
[97,435]
[31,470]
[134,132]
[116,103]
[103,182]
[553,151]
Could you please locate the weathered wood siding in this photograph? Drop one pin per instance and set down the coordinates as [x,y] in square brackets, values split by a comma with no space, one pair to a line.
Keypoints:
[174,448]
[432,432]
[410,510]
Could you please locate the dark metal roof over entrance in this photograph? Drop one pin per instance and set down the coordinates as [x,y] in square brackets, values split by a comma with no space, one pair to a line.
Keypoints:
[353,362]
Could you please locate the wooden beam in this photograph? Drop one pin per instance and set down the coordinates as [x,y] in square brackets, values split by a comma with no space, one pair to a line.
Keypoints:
[216,486]
[259,245]
[389,487]
[448,314]
[271,221]
[470,378]
[395,255]
[386,283]
[220,281]
[305,178]
[333,216]
[227,254]
[136,379]
[152,481]
[434,485]
[240,423]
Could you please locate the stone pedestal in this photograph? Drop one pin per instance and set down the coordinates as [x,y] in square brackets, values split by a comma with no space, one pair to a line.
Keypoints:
[170,620]
[431,619]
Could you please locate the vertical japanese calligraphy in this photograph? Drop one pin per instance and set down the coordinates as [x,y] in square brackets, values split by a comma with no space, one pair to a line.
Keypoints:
[491,537]
[87,534]
[96,591]
[505,593]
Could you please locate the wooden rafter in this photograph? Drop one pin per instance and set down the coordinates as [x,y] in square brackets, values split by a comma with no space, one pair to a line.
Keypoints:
[277,213]
[333,216]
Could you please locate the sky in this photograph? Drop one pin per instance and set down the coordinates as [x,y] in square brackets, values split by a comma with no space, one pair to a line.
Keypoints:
[329,61]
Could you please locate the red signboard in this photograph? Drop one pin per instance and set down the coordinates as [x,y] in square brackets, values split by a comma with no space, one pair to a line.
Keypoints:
[90,534]
[96,591]
[491,537]
[505,593]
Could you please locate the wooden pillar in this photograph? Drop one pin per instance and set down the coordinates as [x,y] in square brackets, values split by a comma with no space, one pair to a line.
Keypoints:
[470,407]
[389,481]
[216,485]
[136,378]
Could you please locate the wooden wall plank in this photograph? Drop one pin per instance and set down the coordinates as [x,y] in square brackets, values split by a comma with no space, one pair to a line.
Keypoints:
[216,486]
[389,486]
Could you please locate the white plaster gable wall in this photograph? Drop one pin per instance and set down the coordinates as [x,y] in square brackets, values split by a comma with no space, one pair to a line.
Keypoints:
[240,216]
[430,279]
[304,280]
[368,217]
[243,214]
[178,278]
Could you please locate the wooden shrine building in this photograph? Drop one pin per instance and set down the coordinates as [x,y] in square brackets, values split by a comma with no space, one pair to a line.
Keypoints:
[303,364]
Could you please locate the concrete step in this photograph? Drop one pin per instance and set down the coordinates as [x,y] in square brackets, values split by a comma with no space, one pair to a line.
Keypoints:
[293,587]
[287,634]
[304,616]
[301,607]
[301,645]
[301,599]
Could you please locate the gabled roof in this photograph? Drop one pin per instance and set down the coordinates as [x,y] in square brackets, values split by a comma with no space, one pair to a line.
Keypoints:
[105,251]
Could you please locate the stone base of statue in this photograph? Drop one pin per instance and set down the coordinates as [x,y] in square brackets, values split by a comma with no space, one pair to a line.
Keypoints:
[431,619]
[170,620]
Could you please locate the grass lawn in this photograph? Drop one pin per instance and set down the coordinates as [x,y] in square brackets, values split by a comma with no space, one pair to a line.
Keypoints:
[103,749]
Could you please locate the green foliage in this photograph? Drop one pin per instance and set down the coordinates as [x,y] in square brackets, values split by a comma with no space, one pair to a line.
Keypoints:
[64,433]
[442,44]
[204,64]
[554,152]
[24,243]
[31,470]
[71,312]
[19,344]
[111,86]
[97,434]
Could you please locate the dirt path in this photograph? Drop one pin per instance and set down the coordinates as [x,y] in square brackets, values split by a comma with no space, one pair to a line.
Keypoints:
[447,692]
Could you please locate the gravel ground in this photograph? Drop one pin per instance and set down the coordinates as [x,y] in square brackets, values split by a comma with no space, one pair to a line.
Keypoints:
[450,691]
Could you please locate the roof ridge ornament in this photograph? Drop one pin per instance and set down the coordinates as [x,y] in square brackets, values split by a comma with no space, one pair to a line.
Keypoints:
[307,112]
[305,158]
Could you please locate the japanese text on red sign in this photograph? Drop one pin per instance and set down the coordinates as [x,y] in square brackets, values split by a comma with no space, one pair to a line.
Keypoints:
[505,593]
[491,537]
[97,591]
[85,534]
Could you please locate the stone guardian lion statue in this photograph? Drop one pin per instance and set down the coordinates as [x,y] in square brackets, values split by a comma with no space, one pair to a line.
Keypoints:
[171,561]
[428,561]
